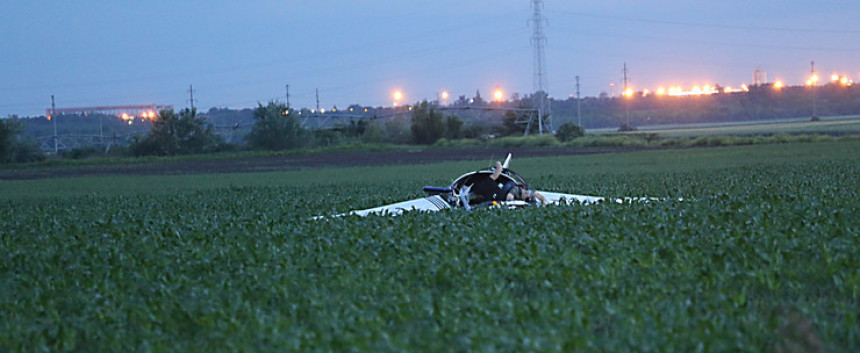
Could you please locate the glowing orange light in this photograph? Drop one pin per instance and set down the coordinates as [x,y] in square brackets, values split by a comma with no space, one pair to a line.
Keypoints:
[628,92]
[661,91]
[498,94]
[844,81]
[444,95]
[834,77]
[645,92]
[778,85]
[398,95]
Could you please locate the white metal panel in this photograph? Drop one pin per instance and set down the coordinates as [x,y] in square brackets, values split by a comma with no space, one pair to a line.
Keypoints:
[430,203]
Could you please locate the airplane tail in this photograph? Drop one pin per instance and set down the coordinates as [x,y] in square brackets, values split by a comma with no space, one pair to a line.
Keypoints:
[507,162]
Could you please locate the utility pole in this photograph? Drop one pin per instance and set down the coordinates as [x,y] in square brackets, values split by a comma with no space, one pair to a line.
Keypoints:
[54,119]
[578,105]
[318,100]
[626,97]
[288,96]
[191,93]
[814,80]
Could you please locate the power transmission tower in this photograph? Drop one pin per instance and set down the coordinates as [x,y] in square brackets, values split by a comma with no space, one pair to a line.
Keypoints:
[288,96]
[540,78]
[191,94]
[318,100]
[578,103]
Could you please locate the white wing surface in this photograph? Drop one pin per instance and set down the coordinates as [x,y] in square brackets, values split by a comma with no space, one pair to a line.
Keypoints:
[559,198]
[567,199]
[431,204]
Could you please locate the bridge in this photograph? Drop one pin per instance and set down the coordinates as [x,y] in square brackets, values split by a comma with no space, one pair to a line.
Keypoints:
[126,111]
[476,114]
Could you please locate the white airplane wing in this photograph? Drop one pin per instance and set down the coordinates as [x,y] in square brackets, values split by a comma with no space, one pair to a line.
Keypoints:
[431,204]
[567,199]
[559,198]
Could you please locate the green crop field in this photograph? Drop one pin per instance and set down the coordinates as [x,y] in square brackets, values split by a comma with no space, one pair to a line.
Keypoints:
[836,125]
[761,256]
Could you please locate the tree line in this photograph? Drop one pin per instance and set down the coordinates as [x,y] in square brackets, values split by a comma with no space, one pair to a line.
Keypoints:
[275,127]
[763,102]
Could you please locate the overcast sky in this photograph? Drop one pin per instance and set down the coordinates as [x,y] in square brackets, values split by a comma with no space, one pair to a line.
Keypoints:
[238,53]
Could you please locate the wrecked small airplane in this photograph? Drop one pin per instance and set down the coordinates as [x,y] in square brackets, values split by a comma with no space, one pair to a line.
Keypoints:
[498,187]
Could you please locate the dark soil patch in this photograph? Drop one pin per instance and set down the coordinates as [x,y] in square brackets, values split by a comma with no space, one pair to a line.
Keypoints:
[282,162]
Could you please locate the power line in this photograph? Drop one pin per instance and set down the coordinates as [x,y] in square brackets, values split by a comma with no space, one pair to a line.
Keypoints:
[710,25]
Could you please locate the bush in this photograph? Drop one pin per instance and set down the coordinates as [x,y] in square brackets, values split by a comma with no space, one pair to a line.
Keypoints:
[569,131]
[392,130]
[79,153]
[627,127]
[474,131]
[525,141]
[607,141]
[13,147]
[275,129]
[459,143]
[428,124]
[453,125]
[174,134]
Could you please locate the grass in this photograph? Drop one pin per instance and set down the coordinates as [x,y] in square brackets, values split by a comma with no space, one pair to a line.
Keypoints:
[761,257]
[440,174]
[828,125]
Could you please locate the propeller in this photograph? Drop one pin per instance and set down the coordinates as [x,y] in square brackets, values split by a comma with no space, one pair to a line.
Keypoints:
[465,192]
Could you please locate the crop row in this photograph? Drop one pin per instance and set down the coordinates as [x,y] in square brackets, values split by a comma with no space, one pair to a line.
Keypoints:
[756,257]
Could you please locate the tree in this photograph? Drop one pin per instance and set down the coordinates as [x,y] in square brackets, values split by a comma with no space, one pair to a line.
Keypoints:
[275,128]
[569,131]
[13,149]
[8,130]
[509,125]
[427,124]
[453,124]
[174,134]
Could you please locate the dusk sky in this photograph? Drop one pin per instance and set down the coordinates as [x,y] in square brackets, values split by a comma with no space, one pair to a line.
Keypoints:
[239,53]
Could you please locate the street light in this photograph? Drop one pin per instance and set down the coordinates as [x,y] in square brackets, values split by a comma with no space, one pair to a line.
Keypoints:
[813,81]
[498,94]
[398,96]
[443,96]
